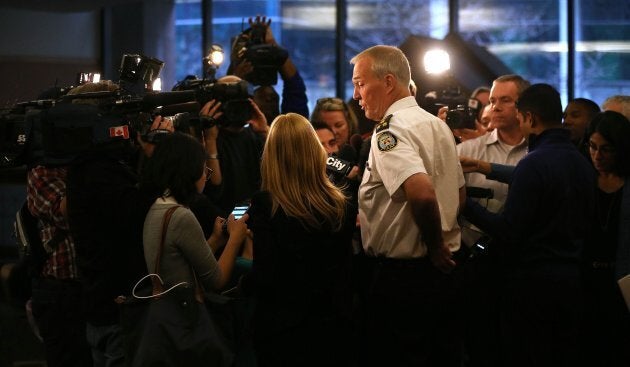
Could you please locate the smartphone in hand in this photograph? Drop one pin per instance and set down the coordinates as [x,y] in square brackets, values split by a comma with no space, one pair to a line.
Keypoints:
[238,211]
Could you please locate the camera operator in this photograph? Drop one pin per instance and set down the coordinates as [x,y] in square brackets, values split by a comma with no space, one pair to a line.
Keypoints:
[56,290]
[56,286]
[463,133]
[293,91]
[234,152]
[106,211]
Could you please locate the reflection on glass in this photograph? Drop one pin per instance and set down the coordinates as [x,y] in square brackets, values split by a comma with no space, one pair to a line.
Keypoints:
[529,36]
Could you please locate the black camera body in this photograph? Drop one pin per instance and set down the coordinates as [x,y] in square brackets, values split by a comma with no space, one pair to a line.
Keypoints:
[234,97]
[58,130]
[463,116]
[15,132]
[265,58]
[55,132]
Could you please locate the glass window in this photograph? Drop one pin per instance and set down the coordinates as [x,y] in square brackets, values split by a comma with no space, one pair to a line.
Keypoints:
[524,34]
[529,36]
[602,49]
[188,39]
[305,28]
[390,23]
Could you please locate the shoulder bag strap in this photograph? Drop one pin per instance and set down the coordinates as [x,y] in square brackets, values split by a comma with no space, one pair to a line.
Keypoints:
[157,285]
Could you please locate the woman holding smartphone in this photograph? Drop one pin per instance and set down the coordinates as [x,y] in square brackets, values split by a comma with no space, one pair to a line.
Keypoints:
[177,171]
[302,230]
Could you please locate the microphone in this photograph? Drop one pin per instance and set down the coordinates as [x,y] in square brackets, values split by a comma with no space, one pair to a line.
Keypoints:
[362,147]
[337,167]
[347,153]
[356,141]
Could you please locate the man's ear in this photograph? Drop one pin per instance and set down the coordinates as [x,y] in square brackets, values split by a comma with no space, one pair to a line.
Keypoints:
[390,82]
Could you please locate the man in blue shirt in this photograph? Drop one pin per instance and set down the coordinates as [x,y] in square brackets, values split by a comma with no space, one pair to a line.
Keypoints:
[540,234]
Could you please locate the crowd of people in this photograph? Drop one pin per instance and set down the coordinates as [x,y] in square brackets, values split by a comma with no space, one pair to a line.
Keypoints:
[378,268]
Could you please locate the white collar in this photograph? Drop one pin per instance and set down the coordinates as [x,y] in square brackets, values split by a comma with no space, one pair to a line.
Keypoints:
[166,200]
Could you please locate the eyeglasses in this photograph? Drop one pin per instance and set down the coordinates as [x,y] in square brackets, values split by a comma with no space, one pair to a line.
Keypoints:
[331,104]
[602,149]
[208,172]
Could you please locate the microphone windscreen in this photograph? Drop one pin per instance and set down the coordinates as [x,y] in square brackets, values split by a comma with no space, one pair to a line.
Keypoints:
[356,141]
[347,153]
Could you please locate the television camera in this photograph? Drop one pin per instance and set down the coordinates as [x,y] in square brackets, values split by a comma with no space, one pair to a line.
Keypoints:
[58,128]
[462,112]
[265,58]
[234,97]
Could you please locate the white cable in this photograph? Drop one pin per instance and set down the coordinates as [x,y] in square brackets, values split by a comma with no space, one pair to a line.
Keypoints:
[133,291]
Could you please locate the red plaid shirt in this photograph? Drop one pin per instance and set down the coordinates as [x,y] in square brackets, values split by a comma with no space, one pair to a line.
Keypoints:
[45,191]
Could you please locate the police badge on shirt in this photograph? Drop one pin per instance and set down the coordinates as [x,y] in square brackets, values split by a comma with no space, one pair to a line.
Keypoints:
[386,141]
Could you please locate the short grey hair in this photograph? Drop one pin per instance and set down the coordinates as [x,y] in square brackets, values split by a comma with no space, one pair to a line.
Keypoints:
[387,60]
[519,81]
[623,100]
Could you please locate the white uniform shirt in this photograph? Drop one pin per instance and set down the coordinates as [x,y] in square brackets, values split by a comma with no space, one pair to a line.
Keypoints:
[414,142]
[488,148]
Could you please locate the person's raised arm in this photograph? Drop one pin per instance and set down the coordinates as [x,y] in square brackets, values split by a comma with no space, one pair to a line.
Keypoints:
[258,121]
[294,90]
[211,112]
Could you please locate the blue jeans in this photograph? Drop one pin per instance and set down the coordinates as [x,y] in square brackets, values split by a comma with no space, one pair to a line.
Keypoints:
[107,345]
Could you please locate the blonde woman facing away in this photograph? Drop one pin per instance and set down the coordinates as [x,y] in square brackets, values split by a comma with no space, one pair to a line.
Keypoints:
[302,252]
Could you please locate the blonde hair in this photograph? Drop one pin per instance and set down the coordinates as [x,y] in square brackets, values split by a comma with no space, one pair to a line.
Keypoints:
[293,170]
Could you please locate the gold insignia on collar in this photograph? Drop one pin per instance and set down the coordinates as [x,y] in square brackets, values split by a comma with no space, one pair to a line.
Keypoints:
[384,124]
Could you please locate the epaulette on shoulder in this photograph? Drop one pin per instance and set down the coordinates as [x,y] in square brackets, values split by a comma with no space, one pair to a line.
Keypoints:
[384,124]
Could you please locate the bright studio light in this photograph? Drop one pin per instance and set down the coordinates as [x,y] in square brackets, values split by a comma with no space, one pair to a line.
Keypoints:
[215,56]
[157,84]
[436,61]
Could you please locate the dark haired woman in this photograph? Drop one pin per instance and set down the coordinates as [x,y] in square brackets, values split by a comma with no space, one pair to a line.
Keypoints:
[606,257]
[177,170]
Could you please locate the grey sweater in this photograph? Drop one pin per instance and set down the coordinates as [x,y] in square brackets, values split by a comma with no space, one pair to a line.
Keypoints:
[184,246]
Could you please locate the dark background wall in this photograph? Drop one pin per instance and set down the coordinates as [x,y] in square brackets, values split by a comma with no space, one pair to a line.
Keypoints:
[46,43]
[39,49]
